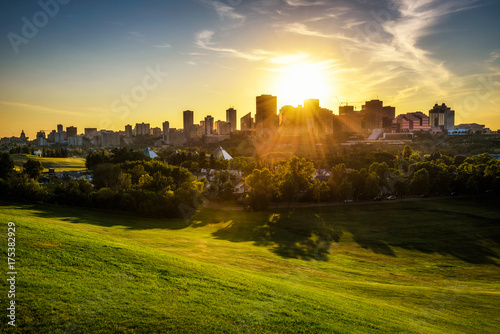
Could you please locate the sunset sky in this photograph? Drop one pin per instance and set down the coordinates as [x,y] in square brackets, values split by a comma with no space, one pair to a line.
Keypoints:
[105,64]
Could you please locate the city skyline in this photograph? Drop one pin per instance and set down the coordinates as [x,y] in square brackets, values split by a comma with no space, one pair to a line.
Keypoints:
[149,62]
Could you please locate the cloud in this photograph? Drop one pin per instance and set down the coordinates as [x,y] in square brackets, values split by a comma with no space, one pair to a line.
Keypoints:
[304,3]
[163,46]
[204,41]
[302,29]
[225,12]
[43,109]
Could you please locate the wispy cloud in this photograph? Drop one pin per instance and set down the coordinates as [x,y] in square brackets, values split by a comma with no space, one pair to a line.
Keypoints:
[35,108]
[162,46]
[302,29]
[304,3]
[204,41]
[225,12]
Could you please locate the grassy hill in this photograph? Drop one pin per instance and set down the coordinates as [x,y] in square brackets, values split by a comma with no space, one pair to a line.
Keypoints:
[59,164]
[416,267]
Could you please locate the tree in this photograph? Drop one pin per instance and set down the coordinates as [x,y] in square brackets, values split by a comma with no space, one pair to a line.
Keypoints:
[33,168]
[372,186]
[345,190]
[407,152]
[262,188]
[421,183]
[6,165]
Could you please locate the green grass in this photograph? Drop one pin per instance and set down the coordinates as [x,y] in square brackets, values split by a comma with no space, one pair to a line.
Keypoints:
[416,267]
[59,164]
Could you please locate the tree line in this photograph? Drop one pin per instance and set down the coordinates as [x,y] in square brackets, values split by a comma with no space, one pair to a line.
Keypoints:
[144,186]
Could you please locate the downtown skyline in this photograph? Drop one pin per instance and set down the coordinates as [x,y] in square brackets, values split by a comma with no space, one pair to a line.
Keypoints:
[106,65]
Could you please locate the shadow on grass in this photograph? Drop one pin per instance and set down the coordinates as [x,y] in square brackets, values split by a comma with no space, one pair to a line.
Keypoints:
[105,218]
[465,230]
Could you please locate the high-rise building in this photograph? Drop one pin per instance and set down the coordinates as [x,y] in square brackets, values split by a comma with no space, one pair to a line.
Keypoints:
[246,122]
[71,131]
[346,110]
[59,128]
[40,138]
[209,125]
[372,111]
[142,129]
[166,129]
[231,119]
[377,116]
[222,128]
[187,116]
[266,118]
[156,132]
[128,131]
[442,117]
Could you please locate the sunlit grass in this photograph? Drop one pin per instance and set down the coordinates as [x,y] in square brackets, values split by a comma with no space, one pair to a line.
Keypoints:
[59,164]
[421,267]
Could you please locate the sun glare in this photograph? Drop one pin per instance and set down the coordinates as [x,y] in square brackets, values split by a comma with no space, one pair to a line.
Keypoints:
[303,81]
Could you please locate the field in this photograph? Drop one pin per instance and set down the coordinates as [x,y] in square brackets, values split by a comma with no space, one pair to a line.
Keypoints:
[415,267]
[59,164]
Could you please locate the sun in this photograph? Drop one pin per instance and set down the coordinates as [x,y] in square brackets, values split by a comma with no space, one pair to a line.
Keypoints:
[303,81]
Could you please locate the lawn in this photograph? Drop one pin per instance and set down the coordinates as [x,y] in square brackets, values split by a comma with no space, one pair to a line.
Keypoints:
[415,267]
[59,164]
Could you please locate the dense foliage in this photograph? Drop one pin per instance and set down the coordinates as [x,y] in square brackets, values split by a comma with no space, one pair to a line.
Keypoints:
[144,186]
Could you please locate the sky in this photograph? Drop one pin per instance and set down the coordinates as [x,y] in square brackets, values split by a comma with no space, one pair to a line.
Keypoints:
[105,64]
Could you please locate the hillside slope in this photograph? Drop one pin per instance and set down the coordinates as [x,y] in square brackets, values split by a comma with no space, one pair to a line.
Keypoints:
[331,270]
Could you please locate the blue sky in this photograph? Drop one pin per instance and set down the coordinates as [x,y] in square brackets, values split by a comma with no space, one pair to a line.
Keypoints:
[86,59]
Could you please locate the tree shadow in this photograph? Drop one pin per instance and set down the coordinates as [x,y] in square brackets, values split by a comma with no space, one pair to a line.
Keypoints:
[307,234]
[104,218]
[286,234]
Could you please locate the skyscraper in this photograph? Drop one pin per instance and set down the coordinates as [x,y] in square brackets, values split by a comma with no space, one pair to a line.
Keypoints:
[59,128]
[209,125]
[142,129]
[166,130]
[187,116]
[246,122]
[128,131]
[231,119]
[441,116]
[71,131]
[266,117]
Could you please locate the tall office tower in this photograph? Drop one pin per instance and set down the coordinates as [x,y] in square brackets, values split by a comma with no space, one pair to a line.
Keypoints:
[441,116]
[187,116]
[156,132]
[40,138]
[59,128]
[128,131]
[388,114]
[266,118]
[209,125]
[166,130]
[222,128]
[231,119]
[346,110]
[142,129]
[71,131]
[372,111]
[246,122]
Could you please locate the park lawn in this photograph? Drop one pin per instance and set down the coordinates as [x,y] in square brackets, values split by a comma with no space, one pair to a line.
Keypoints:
[415,267]
[59,164]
